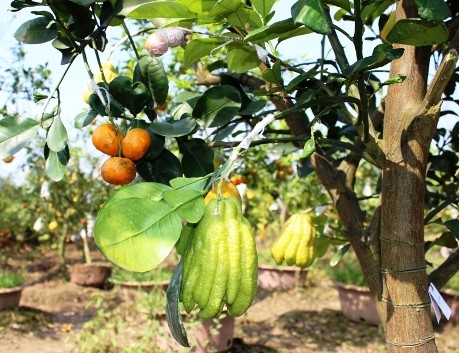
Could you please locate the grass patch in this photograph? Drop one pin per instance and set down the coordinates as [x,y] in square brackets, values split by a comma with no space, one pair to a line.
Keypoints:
[10,279]
[157,274]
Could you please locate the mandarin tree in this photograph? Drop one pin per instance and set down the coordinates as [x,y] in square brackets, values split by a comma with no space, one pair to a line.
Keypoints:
[377,100]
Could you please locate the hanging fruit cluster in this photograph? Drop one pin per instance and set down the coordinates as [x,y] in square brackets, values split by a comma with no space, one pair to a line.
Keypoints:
[220,264]
[297,243]
[120,168]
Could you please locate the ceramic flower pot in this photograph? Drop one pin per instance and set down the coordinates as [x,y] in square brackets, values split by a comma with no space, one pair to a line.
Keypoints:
[357,304]
[280,277]
[90,275]
[10,297]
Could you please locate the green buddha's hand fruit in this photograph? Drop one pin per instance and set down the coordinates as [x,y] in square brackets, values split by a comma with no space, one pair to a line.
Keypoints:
[297,243]
[220,265]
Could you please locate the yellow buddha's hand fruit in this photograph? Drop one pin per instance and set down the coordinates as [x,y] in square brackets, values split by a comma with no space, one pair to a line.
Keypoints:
[220,266]
[228,189]
[296,244]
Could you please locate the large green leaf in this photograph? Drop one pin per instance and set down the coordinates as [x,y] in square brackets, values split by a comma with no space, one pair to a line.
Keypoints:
[15,134]
[57,135]
[272,31]
[418,32]
[311,14]
[224,7]
[145,190]
[56,163]
[196,184]
[200,47]
[175,128]
[218,105]
[188,203]
[147,9]
[197,158]
[137,234]
[436,10]
[263,7]
[36,31]
[242,57]
[150,71]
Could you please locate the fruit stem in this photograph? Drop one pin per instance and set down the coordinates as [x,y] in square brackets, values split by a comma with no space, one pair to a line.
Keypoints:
[126,29]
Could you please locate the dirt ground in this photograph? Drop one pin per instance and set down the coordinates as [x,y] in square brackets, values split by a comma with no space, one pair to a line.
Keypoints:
[52,314]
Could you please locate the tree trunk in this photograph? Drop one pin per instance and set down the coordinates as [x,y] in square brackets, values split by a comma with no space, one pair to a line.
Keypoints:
[405,304]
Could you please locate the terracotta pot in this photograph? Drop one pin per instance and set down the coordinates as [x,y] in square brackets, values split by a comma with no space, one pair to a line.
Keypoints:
[280,277]
[204,336]
[452,299]
[90,275]
[10,297]
[357,304]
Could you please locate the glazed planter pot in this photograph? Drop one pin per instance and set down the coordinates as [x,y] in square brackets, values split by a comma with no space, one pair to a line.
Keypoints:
[204,336]
[357,303]
[452,299]
[280,277]
[90,275]
[10,297]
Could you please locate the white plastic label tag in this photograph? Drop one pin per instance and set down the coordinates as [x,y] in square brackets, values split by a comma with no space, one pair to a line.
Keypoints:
[438,303]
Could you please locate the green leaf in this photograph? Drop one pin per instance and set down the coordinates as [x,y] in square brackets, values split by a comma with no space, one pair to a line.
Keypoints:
[200,47]
[56,163]
[253,107]
[397,79]
[273,74]
[57,135]
[242,57]
[150,71]
[132,96]
[188,203]
[382,55]
[218,105]
[453,226]
[239,18]
[84,118]
[263,7]
[197,158]
[36,31]
[435,10]
[337,256]
[148,9]
[137,234]
[196,184]
[311,14]
[309,148]
[175,128]
[224,7]
[418,32]
[15,134]
[145,190]
[294,33]
[173,314]
[164,168]
[269,32]
[447,239]
[372,9]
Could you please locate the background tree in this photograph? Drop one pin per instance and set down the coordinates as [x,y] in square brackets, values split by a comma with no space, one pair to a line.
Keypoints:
[335,118]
